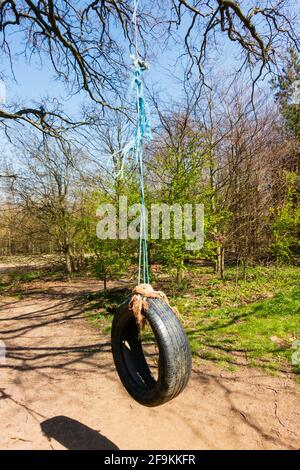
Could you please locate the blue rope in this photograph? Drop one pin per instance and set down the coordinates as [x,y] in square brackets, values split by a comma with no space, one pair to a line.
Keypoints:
[142,133]
[134,148]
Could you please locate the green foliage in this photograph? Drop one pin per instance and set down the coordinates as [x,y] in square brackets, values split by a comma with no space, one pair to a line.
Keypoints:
[181,165]
[286,226]
[250,330]
[10,282]
[205,291]
[100,307]
[109,262]
[109,258]
[217,223]
[253,323]
[250,323]
[288,93]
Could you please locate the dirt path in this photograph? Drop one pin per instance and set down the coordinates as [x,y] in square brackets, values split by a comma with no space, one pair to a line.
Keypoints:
[59,389]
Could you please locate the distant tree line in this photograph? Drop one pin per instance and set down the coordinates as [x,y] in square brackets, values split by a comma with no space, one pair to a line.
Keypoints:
[230,148]
[241,163]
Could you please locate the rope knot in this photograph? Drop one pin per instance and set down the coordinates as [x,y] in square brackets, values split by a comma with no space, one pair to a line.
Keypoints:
[138,302]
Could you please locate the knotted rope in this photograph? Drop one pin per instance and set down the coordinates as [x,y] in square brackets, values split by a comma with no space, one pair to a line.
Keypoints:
[138,302]
[134,148]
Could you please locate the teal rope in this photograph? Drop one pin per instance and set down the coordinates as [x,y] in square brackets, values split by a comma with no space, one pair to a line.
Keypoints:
[135,149]
[143,132]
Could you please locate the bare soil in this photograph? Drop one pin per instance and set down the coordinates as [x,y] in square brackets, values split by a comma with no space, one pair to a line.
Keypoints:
[59,390]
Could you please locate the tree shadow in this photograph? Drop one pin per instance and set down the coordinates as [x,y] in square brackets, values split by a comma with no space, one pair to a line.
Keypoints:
[109,299]
[37,358]
[217,343]
[74,435]
[251,420]
[66,353]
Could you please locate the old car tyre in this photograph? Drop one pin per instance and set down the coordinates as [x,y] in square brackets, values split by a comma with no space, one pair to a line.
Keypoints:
[174,363]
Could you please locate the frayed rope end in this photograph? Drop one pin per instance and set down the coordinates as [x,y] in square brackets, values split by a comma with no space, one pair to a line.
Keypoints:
[138,302]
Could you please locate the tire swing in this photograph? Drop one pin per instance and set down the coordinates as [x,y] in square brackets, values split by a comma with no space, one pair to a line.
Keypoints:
[147,307]
[174,362]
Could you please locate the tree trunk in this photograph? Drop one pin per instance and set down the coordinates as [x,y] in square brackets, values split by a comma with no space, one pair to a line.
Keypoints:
[245,270]
[81,261]
[216,265]
[218,261]
[69,261]
[237,272]
[180,273]
[222,262]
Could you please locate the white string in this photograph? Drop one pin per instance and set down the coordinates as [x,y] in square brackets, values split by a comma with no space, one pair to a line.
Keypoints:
[143,252]
[134,20]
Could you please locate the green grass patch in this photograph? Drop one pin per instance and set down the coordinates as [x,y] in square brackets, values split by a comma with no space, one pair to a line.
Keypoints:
[101,306]
[239,322]
[235,322]
[10,283]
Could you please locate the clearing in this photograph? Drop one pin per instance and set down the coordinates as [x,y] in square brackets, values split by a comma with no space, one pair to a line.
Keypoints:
[59,389]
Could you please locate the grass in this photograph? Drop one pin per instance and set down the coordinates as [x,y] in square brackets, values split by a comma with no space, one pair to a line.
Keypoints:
[30,260]
[233,322]
[252,322]
[101,307]
[259,334]
[19,269]
[10,283]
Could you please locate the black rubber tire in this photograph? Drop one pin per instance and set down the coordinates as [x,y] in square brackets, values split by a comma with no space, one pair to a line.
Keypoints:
[174,354]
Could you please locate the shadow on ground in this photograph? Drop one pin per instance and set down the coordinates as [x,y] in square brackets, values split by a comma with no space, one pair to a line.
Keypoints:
[74,435]
[36,331]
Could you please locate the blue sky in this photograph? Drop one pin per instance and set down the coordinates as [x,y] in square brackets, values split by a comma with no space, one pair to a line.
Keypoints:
[36,81]
[32,81]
